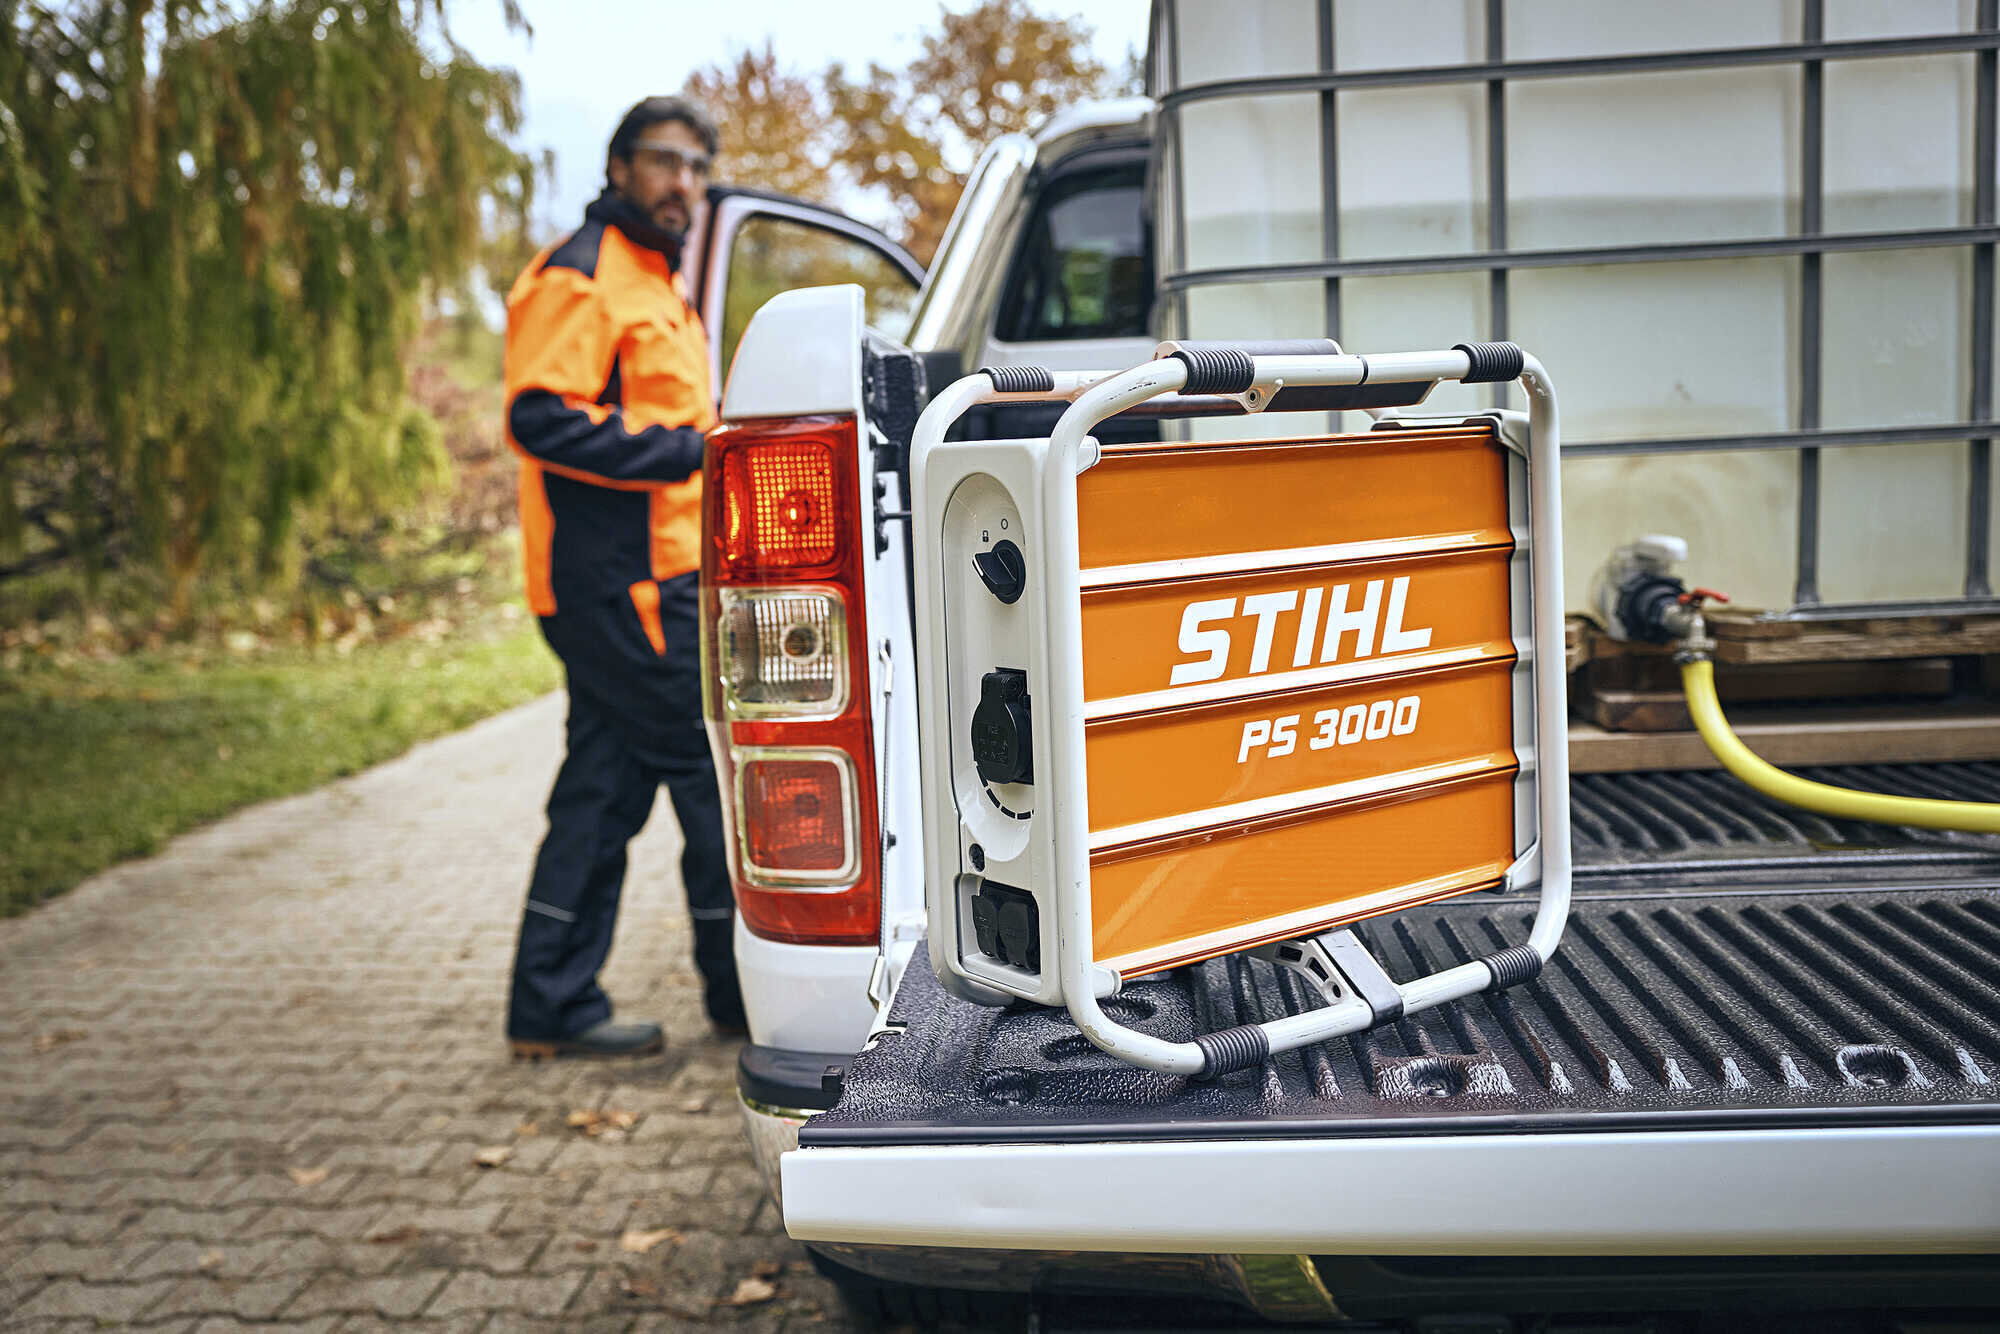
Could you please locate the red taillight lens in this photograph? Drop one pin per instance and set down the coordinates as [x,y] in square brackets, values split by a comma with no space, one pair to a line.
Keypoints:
[785,681]
[796,815]
[779,510]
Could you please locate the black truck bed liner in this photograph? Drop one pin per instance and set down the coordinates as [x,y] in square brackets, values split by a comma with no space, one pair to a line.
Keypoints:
[1716,972]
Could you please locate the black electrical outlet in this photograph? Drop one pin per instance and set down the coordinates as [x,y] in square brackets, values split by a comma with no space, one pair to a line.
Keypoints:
[1008,924]
[1001,745]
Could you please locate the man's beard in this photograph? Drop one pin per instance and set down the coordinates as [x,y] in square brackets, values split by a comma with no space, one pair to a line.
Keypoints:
[678,230]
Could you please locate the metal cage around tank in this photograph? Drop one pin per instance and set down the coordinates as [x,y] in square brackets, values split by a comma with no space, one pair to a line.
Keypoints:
[1315,67]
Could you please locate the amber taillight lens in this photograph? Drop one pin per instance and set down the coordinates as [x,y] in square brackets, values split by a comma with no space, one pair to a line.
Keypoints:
[796,812]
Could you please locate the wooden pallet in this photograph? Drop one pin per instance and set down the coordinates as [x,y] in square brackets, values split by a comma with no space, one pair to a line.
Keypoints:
[1629,687]
[1947,731]
[1889,691]
[1749,637]
[1663,708]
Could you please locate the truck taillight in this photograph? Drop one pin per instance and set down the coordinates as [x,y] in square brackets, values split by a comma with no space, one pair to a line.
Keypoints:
[780,507]
[785,677]
[796,807]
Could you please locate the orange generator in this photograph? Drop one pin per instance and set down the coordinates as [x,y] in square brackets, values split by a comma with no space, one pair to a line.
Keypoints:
[1183,700]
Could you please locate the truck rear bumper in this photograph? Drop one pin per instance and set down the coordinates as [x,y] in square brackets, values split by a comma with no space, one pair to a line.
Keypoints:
[1862,1190]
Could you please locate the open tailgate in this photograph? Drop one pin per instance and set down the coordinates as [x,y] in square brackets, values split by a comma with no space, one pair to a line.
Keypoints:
[1703,1069]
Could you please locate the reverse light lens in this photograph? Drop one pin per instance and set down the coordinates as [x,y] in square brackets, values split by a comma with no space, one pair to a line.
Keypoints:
[794,812]
[778,507]
[784,651]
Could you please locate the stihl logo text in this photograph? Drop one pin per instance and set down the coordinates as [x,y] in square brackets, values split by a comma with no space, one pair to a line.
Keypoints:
[1317,622]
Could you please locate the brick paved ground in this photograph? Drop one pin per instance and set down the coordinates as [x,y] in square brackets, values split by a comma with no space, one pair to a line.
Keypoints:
[246,1080]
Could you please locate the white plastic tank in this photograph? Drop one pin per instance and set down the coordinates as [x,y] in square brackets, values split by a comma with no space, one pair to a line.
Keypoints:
[1678,345]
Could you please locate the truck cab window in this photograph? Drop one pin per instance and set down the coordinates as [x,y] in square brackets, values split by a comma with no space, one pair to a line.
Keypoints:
[1085,269]
[771,254]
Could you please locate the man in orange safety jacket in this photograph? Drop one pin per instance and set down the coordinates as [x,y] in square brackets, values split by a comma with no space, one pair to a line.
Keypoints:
[608,399]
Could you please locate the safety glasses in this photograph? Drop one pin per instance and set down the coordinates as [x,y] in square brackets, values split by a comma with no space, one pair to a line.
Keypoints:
[674,160]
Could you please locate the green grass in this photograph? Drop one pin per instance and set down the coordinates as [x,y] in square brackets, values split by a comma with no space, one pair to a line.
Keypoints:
[108,758]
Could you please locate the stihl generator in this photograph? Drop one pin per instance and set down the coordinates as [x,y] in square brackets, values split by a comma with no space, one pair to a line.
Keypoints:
[1179,700]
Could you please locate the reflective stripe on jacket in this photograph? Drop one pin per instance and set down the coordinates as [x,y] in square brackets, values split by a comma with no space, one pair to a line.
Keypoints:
[607,402]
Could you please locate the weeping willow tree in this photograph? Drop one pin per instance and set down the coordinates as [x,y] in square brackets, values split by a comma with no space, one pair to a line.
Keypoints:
[218,222]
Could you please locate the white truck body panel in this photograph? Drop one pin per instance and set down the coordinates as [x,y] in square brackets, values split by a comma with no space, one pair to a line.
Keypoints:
[805,997]
[802,356]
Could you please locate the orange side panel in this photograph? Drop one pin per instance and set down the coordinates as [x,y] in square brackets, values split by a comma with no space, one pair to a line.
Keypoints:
[1173,502]
[1299,685]
[1198,768]
[1178,901]
[1449,598]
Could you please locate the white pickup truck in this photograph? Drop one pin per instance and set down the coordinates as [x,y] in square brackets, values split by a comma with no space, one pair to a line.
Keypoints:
[1760,1073]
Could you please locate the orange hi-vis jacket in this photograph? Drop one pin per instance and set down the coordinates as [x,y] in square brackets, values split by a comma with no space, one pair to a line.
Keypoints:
[608,403]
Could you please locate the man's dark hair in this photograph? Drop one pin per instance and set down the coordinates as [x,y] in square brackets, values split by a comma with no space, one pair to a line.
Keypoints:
[653,111]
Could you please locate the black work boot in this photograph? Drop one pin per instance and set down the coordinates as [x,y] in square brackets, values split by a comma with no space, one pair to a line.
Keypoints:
[609,1038]
[724,1002]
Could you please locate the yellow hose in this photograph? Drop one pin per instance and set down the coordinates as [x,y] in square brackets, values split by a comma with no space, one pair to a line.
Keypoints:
[1698,680]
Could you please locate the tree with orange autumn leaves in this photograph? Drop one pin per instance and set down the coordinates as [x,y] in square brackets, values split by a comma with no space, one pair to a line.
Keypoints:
[905,136]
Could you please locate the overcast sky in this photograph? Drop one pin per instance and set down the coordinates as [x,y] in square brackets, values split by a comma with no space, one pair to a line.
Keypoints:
[591,59]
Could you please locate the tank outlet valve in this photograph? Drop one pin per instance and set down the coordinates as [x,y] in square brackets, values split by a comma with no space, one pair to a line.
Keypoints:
[1001,744]
[1637,595]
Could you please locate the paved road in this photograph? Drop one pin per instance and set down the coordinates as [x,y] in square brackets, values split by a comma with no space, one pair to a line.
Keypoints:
[247,1080]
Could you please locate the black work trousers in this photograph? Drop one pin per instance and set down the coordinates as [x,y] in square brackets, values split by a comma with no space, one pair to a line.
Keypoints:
[634,724]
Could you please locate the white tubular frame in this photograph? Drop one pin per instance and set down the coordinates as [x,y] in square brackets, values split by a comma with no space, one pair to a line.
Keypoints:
[1059,702]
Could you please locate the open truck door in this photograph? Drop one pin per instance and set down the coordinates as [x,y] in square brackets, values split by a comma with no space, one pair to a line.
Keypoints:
[753,244]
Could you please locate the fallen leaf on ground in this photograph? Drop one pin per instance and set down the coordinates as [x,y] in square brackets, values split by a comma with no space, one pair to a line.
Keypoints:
[612,1122]
[57,1037]
[638,1287]
[766,1269]
[397,1236]
[638,1242]
[526,1129]
[306,1177]
[751,1291]
[209,1262]
[492,1156]
[586,1246]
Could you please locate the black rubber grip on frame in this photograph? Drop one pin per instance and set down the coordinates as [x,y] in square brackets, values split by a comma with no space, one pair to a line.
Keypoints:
[1492,362]
[1232,1049]
[1519,963]
[1226,368]
[1020,379]
[1220,369]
